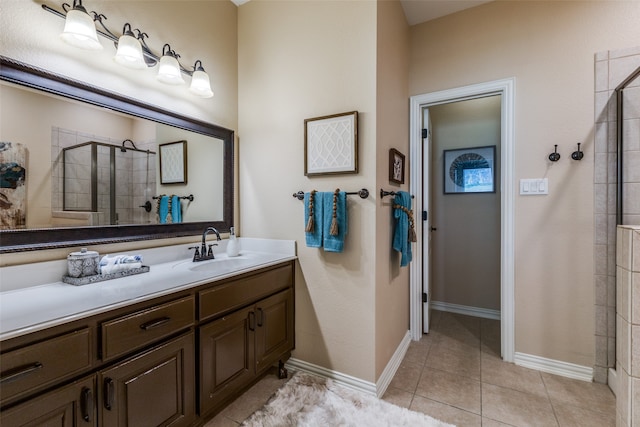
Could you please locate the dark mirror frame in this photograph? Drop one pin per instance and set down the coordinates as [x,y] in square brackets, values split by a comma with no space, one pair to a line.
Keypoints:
[49,238]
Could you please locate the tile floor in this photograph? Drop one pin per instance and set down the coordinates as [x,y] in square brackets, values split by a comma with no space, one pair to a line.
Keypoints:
[455,374]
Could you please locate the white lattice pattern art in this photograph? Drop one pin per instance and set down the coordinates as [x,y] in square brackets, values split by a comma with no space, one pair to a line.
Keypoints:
[172,163]
[330,145]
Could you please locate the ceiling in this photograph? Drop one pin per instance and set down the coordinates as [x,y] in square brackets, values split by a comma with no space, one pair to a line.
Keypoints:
[418,11]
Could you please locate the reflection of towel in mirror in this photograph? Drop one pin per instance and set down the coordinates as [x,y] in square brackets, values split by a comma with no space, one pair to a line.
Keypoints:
[401,241]
[313,235]
[176,209]
[335,242]
[163,208]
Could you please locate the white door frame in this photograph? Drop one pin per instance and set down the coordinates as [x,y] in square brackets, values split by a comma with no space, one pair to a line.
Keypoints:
[506,88]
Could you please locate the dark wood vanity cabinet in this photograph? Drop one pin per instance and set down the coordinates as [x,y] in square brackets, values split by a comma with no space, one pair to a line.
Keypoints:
[226,358]
[274,329]
[155,388]
[239,346]
[172,361]
[72,405]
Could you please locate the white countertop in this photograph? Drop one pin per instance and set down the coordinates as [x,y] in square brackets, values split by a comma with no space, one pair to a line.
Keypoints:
[39,306]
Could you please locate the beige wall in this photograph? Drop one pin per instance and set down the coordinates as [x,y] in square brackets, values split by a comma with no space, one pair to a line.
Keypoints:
[300,60]
[392,131]
[465,267]
[549,48]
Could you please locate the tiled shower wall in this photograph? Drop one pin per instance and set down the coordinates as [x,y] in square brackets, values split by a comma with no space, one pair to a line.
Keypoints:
[628,326]
[611,68]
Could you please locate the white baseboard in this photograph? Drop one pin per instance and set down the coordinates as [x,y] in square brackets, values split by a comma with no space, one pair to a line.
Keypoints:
[368,387]
[486,313]
[556,367]
[392,366]
[340,378]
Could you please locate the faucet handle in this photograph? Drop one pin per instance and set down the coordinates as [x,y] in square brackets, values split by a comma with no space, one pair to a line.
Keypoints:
[210,251]
[196,254]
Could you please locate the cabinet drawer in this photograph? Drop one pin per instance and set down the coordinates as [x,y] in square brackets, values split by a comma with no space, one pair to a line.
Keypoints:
[237,293]
[27,369]
[136,330]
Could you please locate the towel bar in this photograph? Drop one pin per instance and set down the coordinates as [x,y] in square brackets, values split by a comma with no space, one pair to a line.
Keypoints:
[189,197]
[364,193]
[390,193]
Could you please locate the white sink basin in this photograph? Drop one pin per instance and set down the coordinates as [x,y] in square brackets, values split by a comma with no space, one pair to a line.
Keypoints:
[222,263]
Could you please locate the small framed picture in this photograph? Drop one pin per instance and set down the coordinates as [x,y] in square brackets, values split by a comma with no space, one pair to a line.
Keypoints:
[469,170]
[396,166]
[173,162]
[331,144]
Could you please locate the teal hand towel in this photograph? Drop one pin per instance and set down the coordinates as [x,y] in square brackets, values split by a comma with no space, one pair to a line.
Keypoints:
[176,209]
[314,236]
[163,209]
[401,241]
[335,243]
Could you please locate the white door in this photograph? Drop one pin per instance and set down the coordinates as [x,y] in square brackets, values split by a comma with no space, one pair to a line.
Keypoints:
[426,224]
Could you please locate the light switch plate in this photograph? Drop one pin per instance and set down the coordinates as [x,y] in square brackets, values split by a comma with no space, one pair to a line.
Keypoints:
[534,187]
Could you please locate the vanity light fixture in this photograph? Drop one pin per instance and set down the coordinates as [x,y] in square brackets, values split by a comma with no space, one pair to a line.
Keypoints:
[129,53]
[79,29]
[169,67]
[200,85]
[132,50]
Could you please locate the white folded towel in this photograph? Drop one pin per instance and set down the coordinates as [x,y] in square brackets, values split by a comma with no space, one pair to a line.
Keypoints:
[113,264]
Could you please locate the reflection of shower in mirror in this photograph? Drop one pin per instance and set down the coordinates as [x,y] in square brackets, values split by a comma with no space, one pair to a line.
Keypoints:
[103,179]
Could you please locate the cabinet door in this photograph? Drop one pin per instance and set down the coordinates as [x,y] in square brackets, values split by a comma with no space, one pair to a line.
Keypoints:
[69,406]
[274,329]
[226,357]
[155,388]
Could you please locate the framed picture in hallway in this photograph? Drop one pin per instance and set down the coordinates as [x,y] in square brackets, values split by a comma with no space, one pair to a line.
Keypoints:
[469,170]
[396,166]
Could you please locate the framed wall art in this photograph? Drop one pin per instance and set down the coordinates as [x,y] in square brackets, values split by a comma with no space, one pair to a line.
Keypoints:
[331,144]
[469,170]
[173,162]
[396,166]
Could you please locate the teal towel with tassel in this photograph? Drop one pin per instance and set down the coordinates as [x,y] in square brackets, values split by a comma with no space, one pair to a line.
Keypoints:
[313,229]
[163,209]
[401,240]
[334,242]
[176,209]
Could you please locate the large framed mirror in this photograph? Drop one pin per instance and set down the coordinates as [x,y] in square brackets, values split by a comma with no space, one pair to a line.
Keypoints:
[54,215]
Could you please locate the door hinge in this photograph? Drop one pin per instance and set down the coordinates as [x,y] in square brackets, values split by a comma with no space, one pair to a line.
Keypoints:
[424,215]
[425,133]
[424,297]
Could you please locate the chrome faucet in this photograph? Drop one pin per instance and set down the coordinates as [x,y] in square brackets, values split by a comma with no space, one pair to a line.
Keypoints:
[202,254]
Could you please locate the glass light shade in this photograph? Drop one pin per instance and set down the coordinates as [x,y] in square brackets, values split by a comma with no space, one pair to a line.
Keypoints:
[80,31]
[129,53]
[200,84]
[169,71]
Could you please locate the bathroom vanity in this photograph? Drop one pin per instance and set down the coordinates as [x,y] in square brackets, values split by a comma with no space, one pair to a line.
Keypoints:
[170,347]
